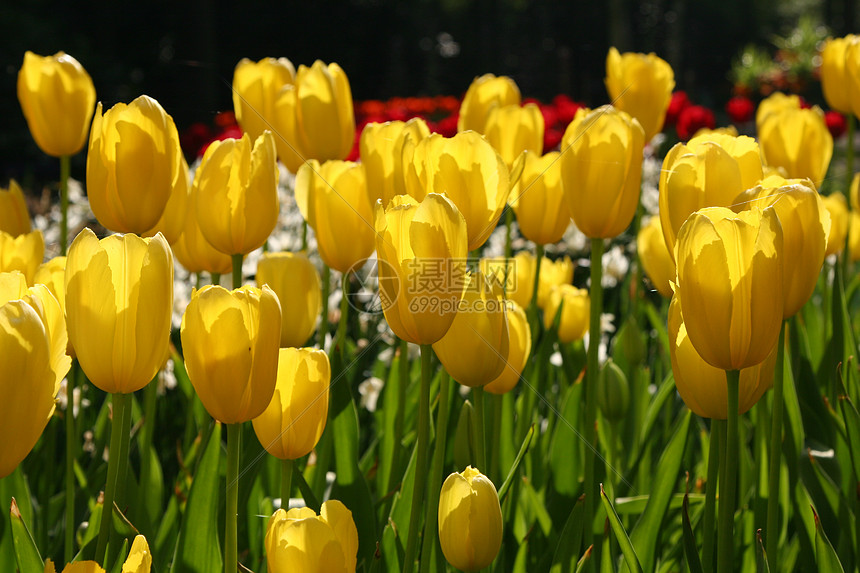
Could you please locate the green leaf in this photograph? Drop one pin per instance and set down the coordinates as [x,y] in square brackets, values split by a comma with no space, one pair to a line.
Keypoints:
[646,532]
[564,458]
[523,449]
[569,539]
[120,558]
[825,556]
[307,493]
[627,550]
[851,419]
[761,565]
[13,486]
[690,550]
[198,549]
[582,564]
[26,553]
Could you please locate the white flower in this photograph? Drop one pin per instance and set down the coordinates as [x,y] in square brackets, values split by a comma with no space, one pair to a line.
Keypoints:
[615,266]
[369,391]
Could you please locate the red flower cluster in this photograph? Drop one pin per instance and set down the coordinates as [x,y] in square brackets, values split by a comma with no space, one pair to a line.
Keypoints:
[740,109]
[686,117]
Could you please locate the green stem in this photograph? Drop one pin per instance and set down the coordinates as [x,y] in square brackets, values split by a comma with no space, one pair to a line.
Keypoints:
[198,280]
[591,379]
[286,482]
[772,531]
[65,170]
[708,531]
[150,393]
[533,306]
[304,236]
[215,278]
[849,152]
[431,521]
[234,438]
[237,270]
[120,402]
[497,431]
[344,314]
[509,219]
[480,448]
[71,454]
[725,537]
[402,383]
[326,290]
[421,461]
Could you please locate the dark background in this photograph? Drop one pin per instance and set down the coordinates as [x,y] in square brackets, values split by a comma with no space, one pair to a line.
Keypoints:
[183,52]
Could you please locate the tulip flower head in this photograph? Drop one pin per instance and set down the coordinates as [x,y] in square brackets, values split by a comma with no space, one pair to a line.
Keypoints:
[22,253]
[641,85]
[296,281]
[602,169]
[230,340]
[470,520]
[256,87]
[852,72]
[422,249]
[119,303]
[553,273]
[519,349]
[730,269]
[139,561]
[14,216]
[133,165]
[575,306]
[301,540]
[656,259]
[512,129]
[538,199]
[798,141]
[382,147]
[173,218]
[57,97]
[292,423]
[192,250]
[486,93]
[835,82]
[837,206]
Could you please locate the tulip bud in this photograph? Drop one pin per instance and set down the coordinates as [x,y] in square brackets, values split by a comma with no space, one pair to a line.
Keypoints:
[484,94]
[381,147]
[656,259]
[630,342]
[834,77]
[538,199]
[470,520]
[230,341]
[512,129]
[334,200]
[702,386]
[22,253]
[422,249]
[575,306]
[236,193]
[519,349]
[14,216]
[57,97]
[301,540]
[601,170]
[613,392]
[133,165]
[292,423]
[475,348]
[120,288]
[256,86]
[297,283]
[640,85]
[838,209]
[798,141]
[314,117]
[730,284]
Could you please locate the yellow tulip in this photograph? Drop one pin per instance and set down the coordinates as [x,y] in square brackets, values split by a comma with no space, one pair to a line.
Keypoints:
[297,283]
[729,130]
[422,250]
[14,216]
[334,199]
[484,94]
[852,72]
[230,341]
[552,274]
[773,105]
[575,306]
[707,171]
[119,303]
[173,218]
[301,541]
[236,193]
[314,117]
[22,253]
[854,236]
[32,336]
[834,78]
[601,170]
[641,85]
[702,386]
[512,129]
[838,209]
[256,86]
[538,199]
[418,164]
[192,250]
[655,257]
[133,164]
[381,146]
[730,269]
[854,192]
[52,274]
[475,348]
[805,227]
[139,561]
[798,141]
[520,275]
[470,520]
[57,97]
[519,349]
[292,423]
